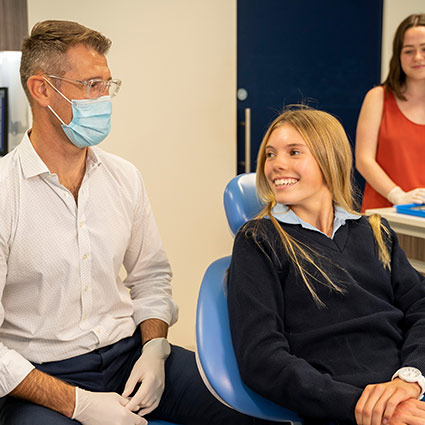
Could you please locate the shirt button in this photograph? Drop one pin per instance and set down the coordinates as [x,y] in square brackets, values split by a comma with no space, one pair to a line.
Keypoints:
[86,288]
[85,317]
[99,331]
[80,224]
[85,257]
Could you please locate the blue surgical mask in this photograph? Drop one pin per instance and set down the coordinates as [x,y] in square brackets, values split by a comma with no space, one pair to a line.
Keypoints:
[91,120]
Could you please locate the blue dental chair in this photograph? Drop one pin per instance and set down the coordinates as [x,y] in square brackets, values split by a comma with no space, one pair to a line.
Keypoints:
[241,202]
[214,350]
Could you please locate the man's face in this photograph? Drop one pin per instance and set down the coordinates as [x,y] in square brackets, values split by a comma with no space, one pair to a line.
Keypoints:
[84,64]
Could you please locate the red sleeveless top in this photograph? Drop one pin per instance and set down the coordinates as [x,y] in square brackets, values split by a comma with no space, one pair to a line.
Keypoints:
[400,152]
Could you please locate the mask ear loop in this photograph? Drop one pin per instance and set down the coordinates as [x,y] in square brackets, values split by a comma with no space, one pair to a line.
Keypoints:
[56,115]
[51,109]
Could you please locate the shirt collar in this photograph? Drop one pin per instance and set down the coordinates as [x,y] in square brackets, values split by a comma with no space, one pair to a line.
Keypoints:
[284,214]
[93,159]
[33,165]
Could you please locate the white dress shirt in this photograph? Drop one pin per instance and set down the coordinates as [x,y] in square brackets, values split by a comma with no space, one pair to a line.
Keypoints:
[61,293]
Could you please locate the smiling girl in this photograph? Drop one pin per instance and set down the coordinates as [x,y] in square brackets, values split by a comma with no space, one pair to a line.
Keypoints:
[327,315]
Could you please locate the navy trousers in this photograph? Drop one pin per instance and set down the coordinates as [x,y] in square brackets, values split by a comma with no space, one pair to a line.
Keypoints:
[185,400]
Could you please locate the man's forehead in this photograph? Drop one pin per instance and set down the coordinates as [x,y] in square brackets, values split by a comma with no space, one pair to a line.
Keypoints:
[87,63]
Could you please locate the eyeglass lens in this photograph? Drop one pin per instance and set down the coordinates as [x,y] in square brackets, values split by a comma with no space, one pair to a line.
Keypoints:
[97,88]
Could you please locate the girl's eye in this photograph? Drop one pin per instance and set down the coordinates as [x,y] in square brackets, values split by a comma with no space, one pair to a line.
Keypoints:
[270,154]
[295,152]
[407,52]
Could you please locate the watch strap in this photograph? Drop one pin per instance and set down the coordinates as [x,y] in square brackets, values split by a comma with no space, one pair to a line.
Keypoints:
[420,380]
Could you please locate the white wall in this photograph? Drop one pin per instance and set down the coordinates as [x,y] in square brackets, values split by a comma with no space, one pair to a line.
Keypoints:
[174,119]
[394,12]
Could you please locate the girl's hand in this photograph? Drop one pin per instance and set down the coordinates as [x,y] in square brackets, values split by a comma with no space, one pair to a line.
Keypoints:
[378,402]
[411,412]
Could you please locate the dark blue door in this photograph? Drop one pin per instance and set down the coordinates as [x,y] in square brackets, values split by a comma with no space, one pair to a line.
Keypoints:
[326,53]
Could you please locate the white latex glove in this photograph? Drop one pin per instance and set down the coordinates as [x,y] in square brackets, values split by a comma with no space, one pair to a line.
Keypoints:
[103,409]
[397,196]
[149,370]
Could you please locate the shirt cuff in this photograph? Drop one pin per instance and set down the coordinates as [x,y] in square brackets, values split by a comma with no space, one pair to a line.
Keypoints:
[165,310]
[13,370]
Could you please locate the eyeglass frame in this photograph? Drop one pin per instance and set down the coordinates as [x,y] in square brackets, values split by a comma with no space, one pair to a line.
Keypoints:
[87,84]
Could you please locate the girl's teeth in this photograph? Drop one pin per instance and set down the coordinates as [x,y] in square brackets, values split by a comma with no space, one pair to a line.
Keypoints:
[285,182]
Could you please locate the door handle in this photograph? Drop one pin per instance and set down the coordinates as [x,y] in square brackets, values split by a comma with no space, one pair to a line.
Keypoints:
[247,140]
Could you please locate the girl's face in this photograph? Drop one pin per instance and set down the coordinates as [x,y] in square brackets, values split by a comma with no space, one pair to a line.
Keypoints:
[292,172]
[412,56]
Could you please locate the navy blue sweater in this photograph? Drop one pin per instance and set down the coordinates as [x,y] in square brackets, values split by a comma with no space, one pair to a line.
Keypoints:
[317,361]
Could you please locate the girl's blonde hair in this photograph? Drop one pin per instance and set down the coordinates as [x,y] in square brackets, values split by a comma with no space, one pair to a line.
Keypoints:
[328,143]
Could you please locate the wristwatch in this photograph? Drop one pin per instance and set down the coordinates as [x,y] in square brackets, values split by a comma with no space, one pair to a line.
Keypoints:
[411,374]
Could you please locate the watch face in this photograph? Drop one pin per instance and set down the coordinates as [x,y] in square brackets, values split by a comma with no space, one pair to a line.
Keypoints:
[410,373]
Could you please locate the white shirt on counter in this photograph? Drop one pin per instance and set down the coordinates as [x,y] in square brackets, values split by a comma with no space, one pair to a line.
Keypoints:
[61,292]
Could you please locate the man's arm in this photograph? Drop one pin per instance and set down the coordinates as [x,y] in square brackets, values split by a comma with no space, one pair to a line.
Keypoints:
[91,409]
[41,388]
[149,281]
[148,269]
[153,328]
[17,372]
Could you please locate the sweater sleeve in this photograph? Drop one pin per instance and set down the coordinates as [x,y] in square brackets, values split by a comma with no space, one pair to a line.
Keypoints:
[266,364]
[409,293]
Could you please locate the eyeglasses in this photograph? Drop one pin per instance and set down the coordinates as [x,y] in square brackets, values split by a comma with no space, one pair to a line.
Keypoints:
[95,87]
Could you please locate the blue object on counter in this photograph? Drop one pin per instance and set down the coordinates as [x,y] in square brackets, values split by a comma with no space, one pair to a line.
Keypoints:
[411,209]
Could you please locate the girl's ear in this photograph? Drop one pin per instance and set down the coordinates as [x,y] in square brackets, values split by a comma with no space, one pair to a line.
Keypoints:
[37,87]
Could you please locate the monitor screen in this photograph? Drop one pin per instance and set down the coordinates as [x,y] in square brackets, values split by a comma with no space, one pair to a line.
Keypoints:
[3,120]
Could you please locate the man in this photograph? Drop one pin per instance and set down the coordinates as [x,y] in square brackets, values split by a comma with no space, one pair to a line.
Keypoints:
[78,344]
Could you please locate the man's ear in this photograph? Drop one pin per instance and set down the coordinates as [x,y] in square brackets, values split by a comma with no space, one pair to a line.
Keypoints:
[37,87]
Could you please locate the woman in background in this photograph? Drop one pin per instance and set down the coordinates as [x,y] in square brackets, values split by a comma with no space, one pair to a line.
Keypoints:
[390,141]
[326,313]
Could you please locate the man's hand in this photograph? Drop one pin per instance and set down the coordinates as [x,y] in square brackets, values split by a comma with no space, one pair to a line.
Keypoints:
[378,402]
[149,370]
[103,409]
[409,412]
